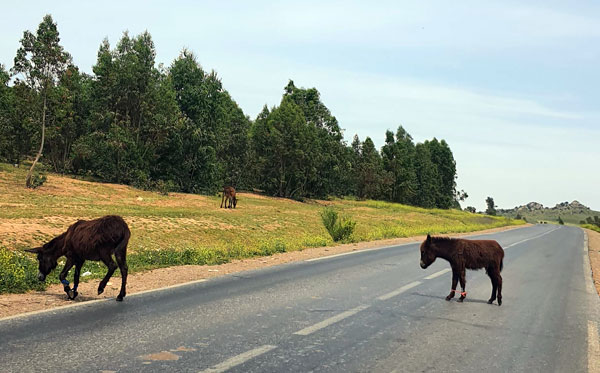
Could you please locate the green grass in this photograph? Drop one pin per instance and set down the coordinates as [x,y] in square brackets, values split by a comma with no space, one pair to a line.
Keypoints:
[184,229]
[592,227]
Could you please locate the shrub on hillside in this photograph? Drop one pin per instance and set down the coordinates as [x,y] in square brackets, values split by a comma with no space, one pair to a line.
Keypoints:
[37,180]
[340,229]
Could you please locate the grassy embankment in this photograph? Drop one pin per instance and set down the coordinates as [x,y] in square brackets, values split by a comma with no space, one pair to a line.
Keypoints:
[184,229]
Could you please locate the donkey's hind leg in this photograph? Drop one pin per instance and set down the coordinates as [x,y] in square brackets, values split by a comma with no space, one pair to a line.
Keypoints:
[463,283]
[121,260]
[499,284]
[493,277]
[112,266]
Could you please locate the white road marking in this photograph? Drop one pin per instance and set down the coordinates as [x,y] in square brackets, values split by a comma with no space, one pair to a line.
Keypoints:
[359,251]
[90,302]
[593,347]
[239,359]
[331,320]
[585,241]
[529,239]
[399,291]
[437,274]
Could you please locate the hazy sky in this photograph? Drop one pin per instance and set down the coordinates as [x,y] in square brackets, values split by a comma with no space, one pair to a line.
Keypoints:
[513,87]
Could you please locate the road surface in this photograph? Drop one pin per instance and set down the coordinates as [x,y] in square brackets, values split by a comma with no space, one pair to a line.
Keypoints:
[368,311]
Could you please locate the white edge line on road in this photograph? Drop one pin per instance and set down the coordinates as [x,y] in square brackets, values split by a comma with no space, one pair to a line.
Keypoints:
[359,251]
[593,347]
[331,320]
[437,274]
[399,291]
[239,359]
[531,238]
[89,302]
[587,267]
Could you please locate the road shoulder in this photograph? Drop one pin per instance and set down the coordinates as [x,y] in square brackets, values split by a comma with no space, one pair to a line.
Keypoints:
[594,254]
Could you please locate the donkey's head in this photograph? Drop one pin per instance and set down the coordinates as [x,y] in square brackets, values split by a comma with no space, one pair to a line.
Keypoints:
[47,256]
[427,252]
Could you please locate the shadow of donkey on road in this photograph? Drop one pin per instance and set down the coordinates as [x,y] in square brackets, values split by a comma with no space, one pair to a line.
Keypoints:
[96,240]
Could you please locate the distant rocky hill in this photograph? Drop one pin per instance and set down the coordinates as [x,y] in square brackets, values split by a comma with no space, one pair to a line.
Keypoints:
[573,212]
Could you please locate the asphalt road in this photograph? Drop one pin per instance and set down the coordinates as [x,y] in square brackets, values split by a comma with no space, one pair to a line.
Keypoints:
[370,311]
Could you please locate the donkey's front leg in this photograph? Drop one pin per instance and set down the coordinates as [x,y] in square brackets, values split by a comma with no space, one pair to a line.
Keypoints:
[63,276]
[454,282]
[73,293]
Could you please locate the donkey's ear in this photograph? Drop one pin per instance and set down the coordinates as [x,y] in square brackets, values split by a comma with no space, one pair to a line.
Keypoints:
[428,238]
[35,250]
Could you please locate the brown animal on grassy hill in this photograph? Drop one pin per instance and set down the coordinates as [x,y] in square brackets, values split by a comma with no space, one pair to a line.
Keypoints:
[466,254]
[229,195]
[97,240]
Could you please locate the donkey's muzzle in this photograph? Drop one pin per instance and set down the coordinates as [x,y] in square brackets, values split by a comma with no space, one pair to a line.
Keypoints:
[423,265]
[41,276]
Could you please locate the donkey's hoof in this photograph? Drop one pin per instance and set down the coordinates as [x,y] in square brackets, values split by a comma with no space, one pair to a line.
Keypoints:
[448,297]
[490,301]
[499,302]
[460,300]
[73,294]
[119,298]
[100,291]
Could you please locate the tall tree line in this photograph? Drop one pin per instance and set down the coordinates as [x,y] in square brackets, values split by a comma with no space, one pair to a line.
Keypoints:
[177,128]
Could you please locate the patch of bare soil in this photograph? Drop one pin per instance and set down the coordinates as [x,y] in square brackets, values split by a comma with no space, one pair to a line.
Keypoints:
[54,296]
[31,231]
[594,253]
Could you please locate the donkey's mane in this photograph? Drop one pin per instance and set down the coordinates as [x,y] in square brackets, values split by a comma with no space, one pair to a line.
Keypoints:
[443,239]
[54,244]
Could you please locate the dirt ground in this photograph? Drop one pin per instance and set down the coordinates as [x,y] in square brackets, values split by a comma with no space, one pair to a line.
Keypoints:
[594,253]
[54,296]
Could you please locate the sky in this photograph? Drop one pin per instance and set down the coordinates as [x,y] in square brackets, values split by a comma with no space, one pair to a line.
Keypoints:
[513,87]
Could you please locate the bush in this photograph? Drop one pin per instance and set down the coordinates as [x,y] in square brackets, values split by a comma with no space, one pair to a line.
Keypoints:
[18,273]
[37,180]
[340,229]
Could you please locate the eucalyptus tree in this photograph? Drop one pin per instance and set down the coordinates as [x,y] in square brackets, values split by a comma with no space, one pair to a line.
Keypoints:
[39,63]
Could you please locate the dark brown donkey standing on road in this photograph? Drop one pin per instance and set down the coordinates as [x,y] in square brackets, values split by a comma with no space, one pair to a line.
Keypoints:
[463,254]
[229,195]
[97,240]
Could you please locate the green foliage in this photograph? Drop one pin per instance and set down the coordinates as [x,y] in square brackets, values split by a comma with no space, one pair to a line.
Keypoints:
[471,209]
[37,180]
[340,229]
[592,227]
[18,273]
[178,129]
[491,206]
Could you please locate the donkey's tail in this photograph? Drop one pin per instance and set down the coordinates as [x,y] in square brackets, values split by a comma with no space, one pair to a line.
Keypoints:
[501,264]
[122,245]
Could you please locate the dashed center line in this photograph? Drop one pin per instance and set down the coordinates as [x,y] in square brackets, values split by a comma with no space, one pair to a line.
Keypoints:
[331,320]
[399,291]
[529,239]
[437,274]
[239,359]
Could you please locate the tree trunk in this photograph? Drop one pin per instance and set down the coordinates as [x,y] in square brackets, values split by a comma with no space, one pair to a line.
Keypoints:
[39,154]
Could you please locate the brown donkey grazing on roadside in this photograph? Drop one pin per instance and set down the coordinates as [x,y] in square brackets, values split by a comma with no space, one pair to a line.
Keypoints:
[97,240]
[463,254]
[229,195]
